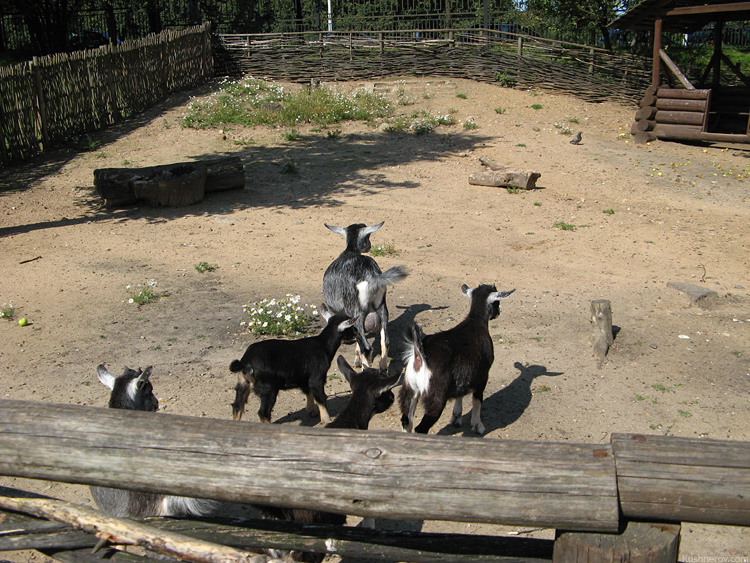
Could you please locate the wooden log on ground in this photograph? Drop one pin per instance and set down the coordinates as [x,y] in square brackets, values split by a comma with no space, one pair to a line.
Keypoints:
[665,478]
[224,173]
[692,133]
[601,322]
[680,117]
[640,542]
[681,105]
[570,486]
[504,176]
[125,531]
[647,100]
[173,186]
[18,531]
[115,185]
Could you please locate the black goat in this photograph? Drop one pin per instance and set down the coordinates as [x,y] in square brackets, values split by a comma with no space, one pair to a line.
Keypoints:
[271,365]
[451,364]
[353,285]
[133,391]
[371,395]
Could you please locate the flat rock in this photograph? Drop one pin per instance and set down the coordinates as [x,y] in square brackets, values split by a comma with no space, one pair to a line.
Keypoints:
[696,293]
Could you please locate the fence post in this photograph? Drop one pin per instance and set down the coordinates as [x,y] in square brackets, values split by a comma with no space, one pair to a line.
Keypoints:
[520,45]
[382,43]
[40,106]
[591,64]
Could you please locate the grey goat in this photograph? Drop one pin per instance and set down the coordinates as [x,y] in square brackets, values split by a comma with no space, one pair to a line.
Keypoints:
[354,286]
[132,391]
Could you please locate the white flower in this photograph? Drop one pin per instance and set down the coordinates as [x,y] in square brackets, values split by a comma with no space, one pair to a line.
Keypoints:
[265,324]
[130,300]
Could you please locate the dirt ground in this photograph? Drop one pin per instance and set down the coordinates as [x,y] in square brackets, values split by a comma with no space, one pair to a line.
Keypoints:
[644,215]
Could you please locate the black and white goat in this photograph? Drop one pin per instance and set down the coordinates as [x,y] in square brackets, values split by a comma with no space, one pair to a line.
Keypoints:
[132,391]
[451,364]
[272,365]
[353,285]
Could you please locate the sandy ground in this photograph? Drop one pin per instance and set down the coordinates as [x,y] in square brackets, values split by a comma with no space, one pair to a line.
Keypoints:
[677,213]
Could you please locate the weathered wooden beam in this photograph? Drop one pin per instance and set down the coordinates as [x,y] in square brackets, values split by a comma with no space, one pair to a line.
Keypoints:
[681,104]
[680,117]
[696,133]
[674,69]
[683,479]
[378,474]
[683,94]
[24,532]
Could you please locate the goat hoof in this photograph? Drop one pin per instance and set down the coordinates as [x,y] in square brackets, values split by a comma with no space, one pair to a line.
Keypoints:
[456,422]
[479,429]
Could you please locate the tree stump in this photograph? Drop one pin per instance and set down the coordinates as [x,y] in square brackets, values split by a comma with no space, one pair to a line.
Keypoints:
[602,337]
[174,186]
[641,542]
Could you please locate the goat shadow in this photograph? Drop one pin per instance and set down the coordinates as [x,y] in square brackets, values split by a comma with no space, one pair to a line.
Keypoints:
[397,330]
[504,407]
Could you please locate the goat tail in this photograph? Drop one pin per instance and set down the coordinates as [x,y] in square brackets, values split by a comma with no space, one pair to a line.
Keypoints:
[392,275]
[414,355]
[236,366]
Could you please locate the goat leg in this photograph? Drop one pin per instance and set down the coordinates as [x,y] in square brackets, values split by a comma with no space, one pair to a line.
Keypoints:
[457,411]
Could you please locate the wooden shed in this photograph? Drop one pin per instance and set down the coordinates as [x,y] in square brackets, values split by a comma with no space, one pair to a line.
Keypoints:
[673,107]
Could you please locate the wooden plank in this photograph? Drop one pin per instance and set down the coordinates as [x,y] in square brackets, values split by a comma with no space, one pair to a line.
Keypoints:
[683,479]
[378,474]
[674,69]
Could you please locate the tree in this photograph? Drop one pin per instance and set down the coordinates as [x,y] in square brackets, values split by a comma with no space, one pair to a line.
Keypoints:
[583,15]
[47,22]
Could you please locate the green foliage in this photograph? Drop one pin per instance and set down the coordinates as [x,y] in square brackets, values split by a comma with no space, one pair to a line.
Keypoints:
[291,135]
[7,311]
[470,124]
[505,80]
[144,293]
[462,96]
[206,267]
[252,102]
[608,211]
[289,168]
[564,226]
[536,106]
[500,110]
[419,123]
[279,317]
[385,249]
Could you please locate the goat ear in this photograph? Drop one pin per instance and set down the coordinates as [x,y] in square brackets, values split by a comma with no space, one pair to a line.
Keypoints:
[392,382]
[345,368]
[467,291]
[371,229]
[143,377]
[107,379]
[325,312]
[498,295]
[346,324]
[339,230]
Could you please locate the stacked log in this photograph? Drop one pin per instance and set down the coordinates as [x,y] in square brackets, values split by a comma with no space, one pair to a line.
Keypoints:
[671,113]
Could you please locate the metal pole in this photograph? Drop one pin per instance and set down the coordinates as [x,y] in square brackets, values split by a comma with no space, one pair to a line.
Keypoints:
[330,17]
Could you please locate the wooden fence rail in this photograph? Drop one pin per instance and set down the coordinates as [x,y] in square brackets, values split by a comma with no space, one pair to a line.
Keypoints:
[48,100]
[382,474]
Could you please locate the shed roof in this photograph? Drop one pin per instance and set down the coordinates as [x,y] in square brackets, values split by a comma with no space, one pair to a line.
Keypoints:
[681,16]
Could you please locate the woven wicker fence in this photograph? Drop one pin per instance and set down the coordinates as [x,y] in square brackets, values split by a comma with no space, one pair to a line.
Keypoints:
[487,55]
[50,99]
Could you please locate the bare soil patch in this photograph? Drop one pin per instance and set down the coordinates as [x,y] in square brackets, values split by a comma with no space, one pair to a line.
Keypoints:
[674,213]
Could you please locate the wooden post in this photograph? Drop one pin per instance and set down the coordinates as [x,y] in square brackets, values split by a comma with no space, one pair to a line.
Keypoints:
[656,62]
[593,60]
[641,542]
[39,103]
[381,42]
[520,46]
[718,35]
[601,319]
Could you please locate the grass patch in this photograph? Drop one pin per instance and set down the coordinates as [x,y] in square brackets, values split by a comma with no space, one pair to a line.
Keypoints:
[206,267]
[385,249]
[536,106]
[7,311]
[608,211]
[251,102]
[144,293]
[564,226]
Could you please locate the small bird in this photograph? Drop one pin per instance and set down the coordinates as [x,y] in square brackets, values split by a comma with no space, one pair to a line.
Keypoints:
[577,139]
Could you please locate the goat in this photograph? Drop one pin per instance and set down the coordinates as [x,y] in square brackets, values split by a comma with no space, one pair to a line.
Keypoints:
[353,285]
[451,364]
[371,394]
[271,365]
[133,391]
